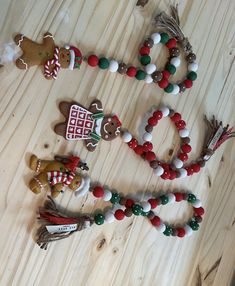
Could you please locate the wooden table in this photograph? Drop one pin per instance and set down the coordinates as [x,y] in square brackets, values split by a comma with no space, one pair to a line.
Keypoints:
[131,252]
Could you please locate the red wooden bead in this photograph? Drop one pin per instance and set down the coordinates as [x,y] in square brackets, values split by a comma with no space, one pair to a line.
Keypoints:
[131,71]
[158,114]
[180,232]
[153,203]
[163,83]
[172,175]
[180,124]
[93,60]
[139,150]
[199,211]
[152,121]
[183,157]
[176,117]
[189,170]
[129,203]
[148,146]
[196,168]
[171,43]
[133,143]
[178,197]
[166,74]
[98,192]
[156,221]
[186,148]
[188,83]
[150,156]
[144,50]
[165,175]
[165,166]
[119,214]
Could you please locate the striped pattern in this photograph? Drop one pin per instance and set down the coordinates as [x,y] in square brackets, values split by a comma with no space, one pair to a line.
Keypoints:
[55,177]
[53,62]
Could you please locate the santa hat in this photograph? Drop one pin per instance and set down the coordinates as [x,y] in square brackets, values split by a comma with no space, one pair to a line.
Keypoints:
[117,120]
[75,57]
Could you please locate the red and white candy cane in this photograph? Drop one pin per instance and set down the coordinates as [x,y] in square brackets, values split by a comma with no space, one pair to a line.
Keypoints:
[53,62]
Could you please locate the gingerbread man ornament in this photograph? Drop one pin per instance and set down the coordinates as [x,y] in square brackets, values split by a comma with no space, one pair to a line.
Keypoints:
[47,54]
[89,125]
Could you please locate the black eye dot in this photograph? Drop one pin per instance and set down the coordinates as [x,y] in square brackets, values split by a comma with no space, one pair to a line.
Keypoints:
[110,133]
[67,54]
[67,61]
[112,123]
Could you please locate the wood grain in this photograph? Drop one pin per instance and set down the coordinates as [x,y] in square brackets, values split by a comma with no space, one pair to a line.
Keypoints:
[131,252]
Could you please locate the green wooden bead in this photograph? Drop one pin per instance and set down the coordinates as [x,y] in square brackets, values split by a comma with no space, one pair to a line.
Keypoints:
[137,209]
[140,75]
[171,68]
[191,198]
[192,75]
[103,63]
[145,60]
[168,231]
[164,38]
[194,225]
[164,199]
[145,213]
[169,88]
[115,198]
[99,219]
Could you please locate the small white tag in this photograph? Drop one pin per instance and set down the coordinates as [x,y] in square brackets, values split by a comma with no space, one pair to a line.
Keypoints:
[215,138]
[61,228]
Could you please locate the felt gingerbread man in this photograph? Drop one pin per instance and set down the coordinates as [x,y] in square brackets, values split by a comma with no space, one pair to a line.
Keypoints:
[90,124]
[47,54]
[56,174]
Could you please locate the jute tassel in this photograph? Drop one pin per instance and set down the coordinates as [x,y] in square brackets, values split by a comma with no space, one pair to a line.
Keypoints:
[171,23]
[49,215]
[216,136]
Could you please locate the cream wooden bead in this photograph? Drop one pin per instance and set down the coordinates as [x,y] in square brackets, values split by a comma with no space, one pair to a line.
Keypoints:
[188,230]
[165,111]
[107,195]
[184,133]
[126,136]
[197,203]
[109,217]
[183,173]
[178,163]
[158,171]
[150,68]
[171,198]
[148,79]
[147,137]
[175,62]
[161,227]
[146,206]
[156,37]
[113,66]
[193,67]
[176,89]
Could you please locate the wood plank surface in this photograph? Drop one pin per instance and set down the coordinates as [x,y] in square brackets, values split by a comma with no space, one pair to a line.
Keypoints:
[131,252]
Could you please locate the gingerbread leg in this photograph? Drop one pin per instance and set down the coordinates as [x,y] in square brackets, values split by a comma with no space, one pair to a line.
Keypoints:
[22,63]
[19,40]
[55,194]
[60,129]
[65,108]
[39,183]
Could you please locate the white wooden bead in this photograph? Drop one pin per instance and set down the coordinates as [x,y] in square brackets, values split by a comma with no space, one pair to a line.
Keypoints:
[197,203]
[184,133]
[126,136]
[171,198]
[146,206]
[148,79]
[161,227]
[147,136]
[165,111]
[183,173]
[175,62]
[158,171]
[107,195]
[150,68]
[113,66]
[188,230]
[176,89]
[109,217]
[193,67]
[178,163]
[156,37]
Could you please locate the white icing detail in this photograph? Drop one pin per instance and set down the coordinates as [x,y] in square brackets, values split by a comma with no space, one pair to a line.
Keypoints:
[83,188]
[21,40]
[72,60]
[117,132]
[105,127]
[24,63]
[92,144]
[96,105]
[48,36]
[98,123]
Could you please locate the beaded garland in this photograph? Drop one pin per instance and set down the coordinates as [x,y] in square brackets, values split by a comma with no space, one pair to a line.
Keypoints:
[121,207]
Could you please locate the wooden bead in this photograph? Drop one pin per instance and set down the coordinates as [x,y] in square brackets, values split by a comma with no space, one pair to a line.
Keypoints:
[174,52]
[122,69]
[185,140]
[191,58]
[149,43]
[157,76]
[182,87]
[128,212]
[154,164]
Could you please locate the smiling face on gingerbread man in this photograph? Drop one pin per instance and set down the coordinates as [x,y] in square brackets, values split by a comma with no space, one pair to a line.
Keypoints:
[64,58]
[110,128]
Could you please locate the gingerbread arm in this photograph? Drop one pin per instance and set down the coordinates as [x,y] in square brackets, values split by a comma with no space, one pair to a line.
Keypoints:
[96,106]
[48,39]
[91,144]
